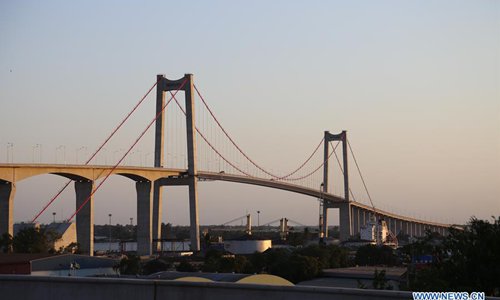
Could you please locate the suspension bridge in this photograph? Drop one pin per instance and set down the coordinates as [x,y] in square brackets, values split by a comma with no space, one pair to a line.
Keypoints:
[209,153]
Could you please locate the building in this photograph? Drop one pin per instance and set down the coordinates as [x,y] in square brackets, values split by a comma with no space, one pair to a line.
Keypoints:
[66,232]
[21,226]
[56,265]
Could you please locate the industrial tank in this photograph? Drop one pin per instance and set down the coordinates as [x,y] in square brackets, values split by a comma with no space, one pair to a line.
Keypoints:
[247,246]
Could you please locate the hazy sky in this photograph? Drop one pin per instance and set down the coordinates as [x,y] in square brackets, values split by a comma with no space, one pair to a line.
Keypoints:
[415,83]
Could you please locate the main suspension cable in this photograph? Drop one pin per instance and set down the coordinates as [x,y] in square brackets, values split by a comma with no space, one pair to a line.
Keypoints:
[244,154]
[319,167]
[209,144]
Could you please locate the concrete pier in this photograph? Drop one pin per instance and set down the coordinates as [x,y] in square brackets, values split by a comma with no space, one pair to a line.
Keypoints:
[85,217]
[144,217]
[7,193]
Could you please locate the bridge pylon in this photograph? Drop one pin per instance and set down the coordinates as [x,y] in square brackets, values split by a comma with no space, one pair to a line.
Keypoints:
[345,211]
[164,85]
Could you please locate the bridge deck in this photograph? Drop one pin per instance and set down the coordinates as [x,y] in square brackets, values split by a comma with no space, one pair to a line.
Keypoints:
[18,172]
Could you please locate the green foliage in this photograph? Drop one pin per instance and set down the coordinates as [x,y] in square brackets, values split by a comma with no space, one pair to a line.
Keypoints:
[430,244]
[6,243]
[429,280]
[294,265]
[380,282]
[242,264]
[330,256]
[372,255]
[465,260]
[154,266]
[185,266]
[71,248]
[257,263]
[130,265]
[31,240]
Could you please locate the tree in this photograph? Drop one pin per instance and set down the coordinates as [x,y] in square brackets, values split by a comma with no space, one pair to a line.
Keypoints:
[380,282]
[31,240]
[70,248]
[185,266]
[155,266]
[329,256]
[372,255]
[474,257]
[296,268]
[339,257]
[466,260]
[130,265]
[6,243]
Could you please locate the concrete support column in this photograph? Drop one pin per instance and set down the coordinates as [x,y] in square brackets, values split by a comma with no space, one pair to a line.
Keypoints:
[7,193]
[358,223]
[324,185]
[157,212]
[345,221]
[161,87]
[364,218]
[192,168]
[325,220]
[144,217]
[193,214]
[354,220]
[85,217]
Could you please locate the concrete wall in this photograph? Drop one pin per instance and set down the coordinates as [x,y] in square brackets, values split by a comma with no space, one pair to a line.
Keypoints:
[74,288]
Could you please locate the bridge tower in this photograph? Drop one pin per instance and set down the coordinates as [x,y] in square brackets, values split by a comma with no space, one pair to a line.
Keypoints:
[344,208]
[164,85]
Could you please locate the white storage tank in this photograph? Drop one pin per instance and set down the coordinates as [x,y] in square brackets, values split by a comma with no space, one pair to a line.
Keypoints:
[247,246]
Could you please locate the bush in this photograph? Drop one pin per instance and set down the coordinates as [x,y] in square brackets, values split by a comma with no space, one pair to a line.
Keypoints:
[154,266]
[371,255]
[130,265]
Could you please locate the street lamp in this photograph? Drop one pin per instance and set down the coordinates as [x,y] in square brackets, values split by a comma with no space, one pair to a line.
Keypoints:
[146,156]
[78,150]
[63,148]
[114,153]
[110,232]
[36,146]
[53,217]
[258,218]
[105,155]
[322,228]
[10,150]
